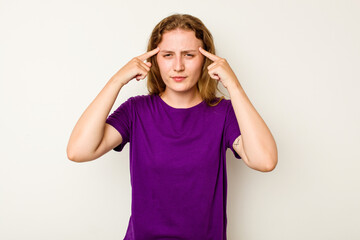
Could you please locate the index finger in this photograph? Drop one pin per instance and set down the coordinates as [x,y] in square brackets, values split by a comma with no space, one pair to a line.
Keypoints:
[149,54]
[208,55]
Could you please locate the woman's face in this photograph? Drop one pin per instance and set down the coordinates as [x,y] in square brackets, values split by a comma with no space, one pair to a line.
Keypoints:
[179,60]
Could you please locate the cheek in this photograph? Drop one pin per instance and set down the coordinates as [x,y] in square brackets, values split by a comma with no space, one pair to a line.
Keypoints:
[196,66]
[163,65]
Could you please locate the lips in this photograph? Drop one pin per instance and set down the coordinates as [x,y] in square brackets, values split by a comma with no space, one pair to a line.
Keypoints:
[178,78]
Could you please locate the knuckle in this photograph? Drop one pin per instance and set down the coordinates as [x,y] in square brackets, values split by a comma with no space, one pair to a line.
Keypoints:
[138,64]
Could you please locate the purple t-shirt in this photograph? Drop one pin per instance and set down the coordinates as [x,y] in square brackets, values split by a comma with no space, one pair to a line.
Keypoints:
[177,167]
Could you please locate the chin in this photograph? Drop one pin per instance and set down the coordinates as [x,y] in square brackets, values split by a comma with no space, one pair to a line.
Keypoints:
[180,87]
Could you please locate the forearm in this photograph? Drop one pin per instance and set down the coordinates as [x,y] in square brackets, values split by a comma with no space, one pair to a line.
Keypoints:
[88,133]
[89,130]
[258,142]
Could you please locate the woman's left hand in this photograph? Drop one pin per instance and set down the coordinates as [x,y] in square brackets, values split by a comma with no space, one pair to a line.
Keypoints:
[220,70]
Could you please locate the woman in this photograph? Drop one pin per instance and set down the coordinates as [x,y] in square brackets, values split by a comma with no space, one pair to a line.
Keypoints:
[178,133]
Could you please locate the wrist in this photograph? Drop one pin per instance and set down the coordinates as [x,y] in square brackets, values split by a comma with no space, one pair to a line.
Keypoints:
[234,85]
[117,82]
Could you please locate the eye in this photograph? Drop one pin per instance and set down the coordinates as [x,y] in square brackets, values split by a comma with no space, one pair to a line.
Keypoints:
[167,55]
[189,55]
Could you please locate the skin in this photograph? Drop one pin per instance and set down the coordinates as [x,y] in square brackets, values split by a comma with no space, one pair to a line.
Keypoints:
[255,145]
[179,56]
[92,137]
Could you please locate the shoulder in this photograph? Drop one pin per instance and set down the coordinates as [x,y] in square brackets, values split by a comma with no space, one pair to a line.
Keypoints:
[141,102]
[219,112]
[139,99]
[225,102]
[133,102]
[224,105]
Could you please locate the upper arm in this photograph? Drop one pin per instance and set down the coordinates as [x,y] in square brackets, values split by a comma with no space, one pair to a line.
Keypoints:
[110,140]
[239,149]
[263,166]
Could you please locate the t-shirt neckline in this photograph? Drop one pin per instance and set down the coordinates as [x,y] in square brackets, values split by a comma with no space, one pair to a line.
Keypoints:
[179,109]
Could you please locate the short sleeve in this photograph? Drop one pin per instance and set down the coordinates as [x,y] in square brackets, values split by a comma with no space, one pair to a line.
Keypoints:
[121,120]
[232,130]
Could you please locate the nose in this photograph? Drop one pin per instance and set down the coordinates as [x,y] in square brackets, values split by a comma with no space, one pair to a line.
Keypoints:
[178,64]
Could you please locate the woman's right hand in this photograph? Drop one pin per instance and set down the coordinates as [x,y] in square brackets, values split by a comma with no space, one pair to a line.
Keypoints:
[136,68]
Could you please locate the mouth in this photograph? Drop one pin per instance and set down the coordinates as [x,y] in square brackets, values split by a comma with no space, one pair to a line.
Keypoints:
[178,78]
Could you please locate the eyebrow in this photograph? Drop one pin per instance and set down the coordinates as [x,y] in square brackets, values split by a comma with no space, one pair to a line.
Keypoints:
[185,51]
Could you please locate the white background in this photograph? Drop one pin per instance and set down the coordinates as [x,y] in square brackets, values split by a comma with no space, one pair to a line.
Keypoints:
[297,60]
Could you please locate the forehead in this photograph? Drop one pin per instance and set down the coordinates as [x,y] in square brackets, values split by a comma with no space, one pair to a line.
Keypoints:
[179,39]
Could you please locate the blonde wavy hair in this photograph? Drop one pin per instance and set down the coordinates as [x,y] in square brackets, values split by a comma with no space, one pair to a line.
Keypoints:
[206,85]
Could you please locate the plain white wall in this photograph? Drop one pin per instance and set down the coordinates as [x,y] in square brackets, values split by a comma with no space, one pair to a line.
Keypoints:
[297,60]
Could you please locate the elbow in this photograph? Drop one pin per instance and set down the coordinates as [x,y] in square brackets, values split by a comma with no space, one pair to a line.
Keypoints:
[71,155]
[269,163]
[71,152]
[270,160]
[264,160]
[269,166]
[74,156]
[264,163]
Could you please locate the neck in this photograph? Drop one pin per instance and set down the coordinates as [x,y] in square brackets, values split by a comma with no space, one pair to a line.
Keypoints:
[181,99]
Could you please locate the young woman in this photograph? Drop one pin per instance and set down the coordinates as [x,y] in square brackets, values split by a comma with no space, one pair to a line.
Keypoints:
[178,133]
